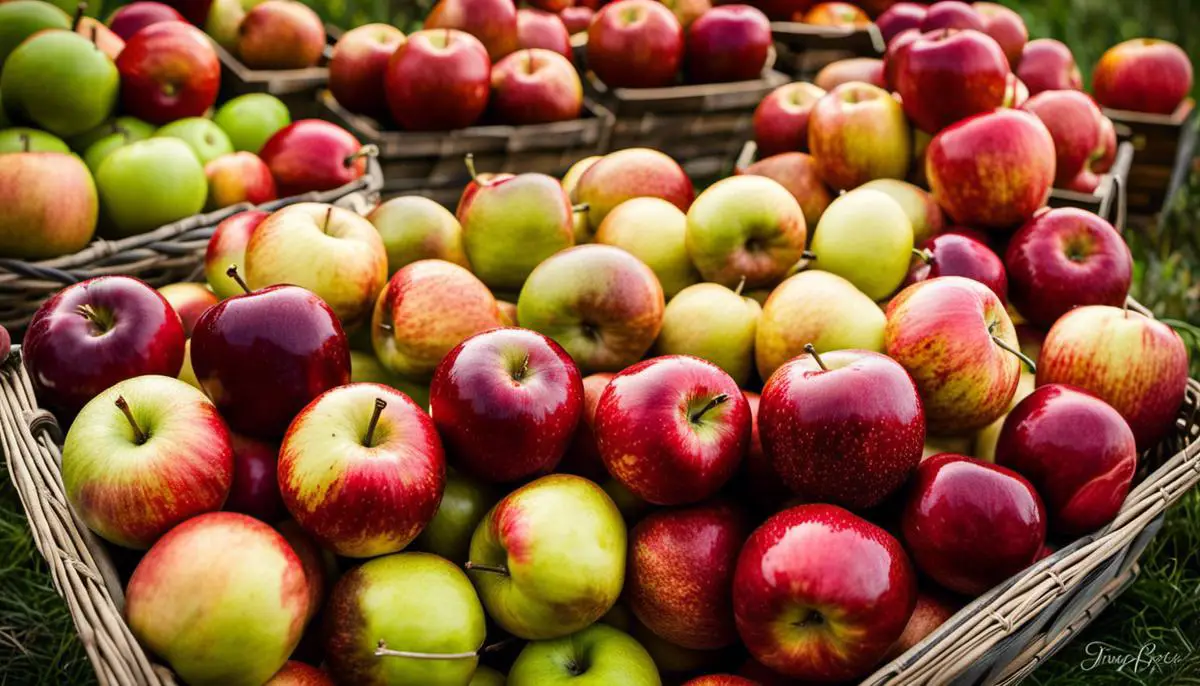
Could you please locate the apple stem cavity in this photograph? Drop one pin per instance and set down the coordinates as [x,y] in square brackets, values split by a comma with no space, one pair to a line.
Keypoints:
[95,317]
[139,436]
[1015,351]
[717,400]
[380,403]
[232,273]
[469,160]
[494,569]
[381,650]
[812,351]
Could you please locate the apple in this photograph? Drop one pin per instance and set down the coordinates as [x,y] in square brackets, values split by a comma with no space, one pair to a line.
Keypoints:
[1134,363]
[204,137]
[1076,450]
[250,120]
[549,558]
[50,205]
[20,19]
[486,676]
[745,228]
[728,43]
[535,86]
[595,656]
[575,19]
[636,44]
[626,174]
[857,132]
[189,300]
[465,501]
[1006,27]
[680,573]
[846,427]
[672,429]
[262,356]
[59,82]
[1047,64]
[135,16]
[1074,122]
[652,230]
[22,139]
[931,612]
[331,251]
[492,22]
[860,70]
[797,172]
[194,616]
[865,237]
[923,211]
[601,304]
[1085,182]
[892,56]
[820,308]
[781,119]
[714,323]
[227,248]
[967,68]
[374,610]
[255,488]
[720,680]
[1143,75]
[899,17]
[835,14]
[148,184]
[583,456]
[982,445]
[358,65]
[955,339]
[1108,140]
[313,155]
[366,368]
[222,19]
[426,309]
[820,594]
[144,455]
[959,254]
[992,170]
[970,525]
[416,228]
[538,29]
[280,34]
[98,152]
[1016,93]
[1063,258]
[438,80]
[238,177]
[952,14]
[299,674]
[168,71]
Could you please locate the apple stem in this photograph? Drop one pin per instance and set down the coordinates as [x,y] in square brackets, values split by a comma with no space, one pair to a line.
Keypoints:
[1125,309]
[380,403]
[925,255]
[808,255]
[25,142]
[812,351]
[494,569]
[1020,355]
[581,207]
[717,400]
[381,650]
[78,18]
[92,315]
[232,273]
[740,286]
[369,150]
[92,35]
[328,214]
[139,436]
[469,160]
[498,645]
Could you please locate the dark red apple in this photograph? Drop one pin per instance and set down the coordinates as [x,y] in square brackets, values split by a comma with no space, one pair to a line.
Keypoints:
[92,334]
[951,14]
[967,69]
[891,56]
[255,489]
[1076,125]
[758,482]
[136,16]
[577,19]
[313,155]
[1048,65]
[781,119]
[635,44]
[538,29]
[583,455]
[958,254]
[492,22]
[438,80]
[900,17]
[358,66]
[168,71]
[728,43]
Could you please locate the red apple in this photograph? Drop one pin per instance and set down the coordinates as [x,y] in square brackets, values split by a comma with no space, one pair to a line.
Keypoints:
[861,69]
[1085,182]
[537,29]
[1143,75]
[672,429]
[1047,65]
[728,43]
[227,248]
[506,402]
[959,254]
[576,19]
[299,674]
[951,14]
[168,71]
[834,14]
[720,680]
[680,573]
[891,56]
[1108,139]
[992,170]
[493,22]
[967,69]
[931,612]
[238,177]
[970,524]
[846,427]
[189,300]
[1074,122]
[1132,362]
[857,132]
[255,489]
[900,17]
[438,80]
[759,482]
[1076,450]
[535,86]
[312,155]
[280,34]
[631,173]
[781,119]
[820,594]
[1006,27]
[798,173]
[1063,258]
[635,44]
[358,67]
[135,16]
[583,455]
[92,334]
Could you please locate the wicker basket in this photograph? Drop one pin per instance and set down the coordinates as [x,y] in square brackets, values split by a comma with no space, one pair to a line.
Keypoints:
[997,639]
[805,48]
[295,87]
[171,253]
[1163,148]
[430,163]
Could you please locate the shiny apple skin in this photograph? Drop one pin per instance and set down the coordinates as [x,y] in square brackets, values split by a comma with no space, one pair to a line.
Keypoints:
[850,435]
[438,80]
[507,402]
[168,71]
[822,560]
[967,69]
[900,17]
[1143,75]
[641,418]
[255,489]
[635,44]
[951,14]
[1076,450]
[312,155]
[136,16]
[970,524]
[728,43]
[263,356]
[957,254]
[1047,64]
[70,360]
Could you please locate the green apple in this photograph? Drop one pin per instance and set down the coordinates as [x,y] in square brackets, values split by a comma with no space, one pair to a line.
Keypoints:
[186,373]
[416,228]
[465,501]
[549,559]
[923,212]
[92,9]
[714,323]
[138,130]
[819,308]
[59,81]
[486,676]
[366,368]
[203,136]
[583,230]
[250,120]
[866,237]
[148,184]
[511,224]
[21,139]
[99,151]
[224,19]
[412,603]
[596,656]
[21,19]
[652,230]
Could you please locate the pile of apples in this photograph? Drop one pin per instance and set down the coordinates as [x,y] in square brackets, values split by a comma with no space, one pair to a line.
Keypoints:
[117,140]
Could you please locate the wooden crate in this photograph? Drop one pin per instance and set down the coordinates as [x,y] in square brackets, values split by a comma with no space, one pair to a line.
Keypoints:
[295,87]
[1163,147]
[805,48]
[431,163]
[1110,200]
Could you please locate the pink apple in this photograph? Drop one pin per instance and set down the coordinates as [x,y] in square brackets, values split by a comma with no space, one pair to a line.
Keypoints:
[1046,65]
[538,29]
[358,66]
[238,177]
[781,119]
[535,86]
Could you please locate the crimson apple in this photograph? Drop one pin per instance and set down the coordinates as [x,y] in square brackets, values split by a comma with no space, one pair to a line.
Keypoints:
[635,44]
[758,481]
[576,19]
[538,29]
[781,119]
[901,16]
[1108,139]
[932,611]
[583,456]
[1143,75]
[535,86]
[313,155]
[861,69]
[438,80]
[189,300]
[1006,27]
[135,16]
[358,67]
[493,22]
[168,71]
[959,254]
[1047,64]
[255,489]
[728,43]
[951,14]
[227,248]
[1075,123]
[966,68]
